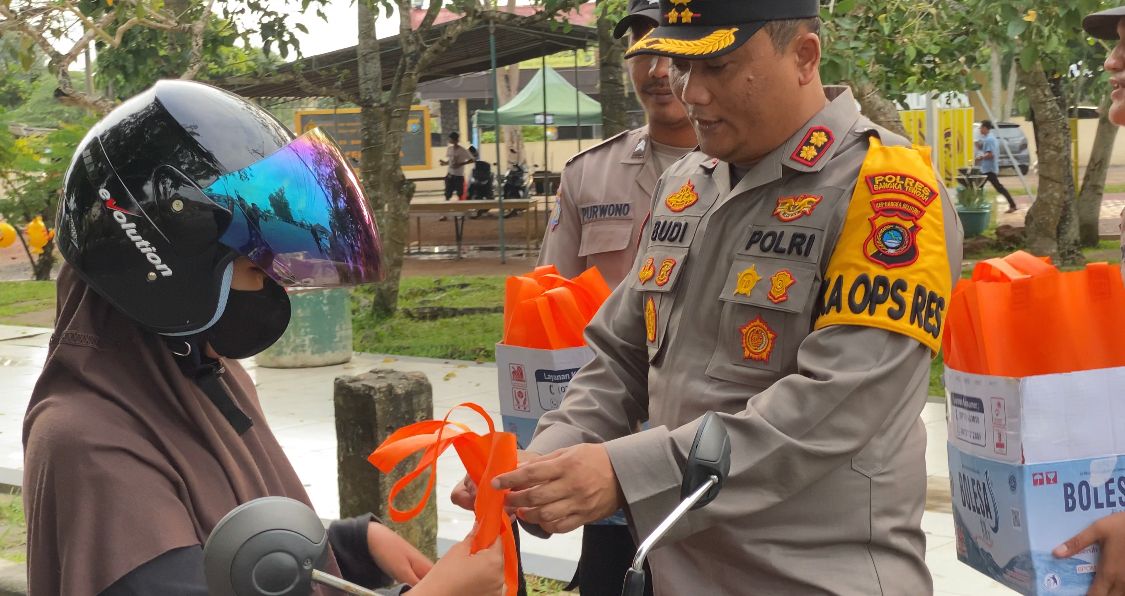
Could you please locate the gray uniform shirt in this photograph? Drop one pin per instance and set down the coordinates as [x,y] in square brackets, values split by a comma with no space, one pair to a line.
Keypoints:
[828,477]
[602,203]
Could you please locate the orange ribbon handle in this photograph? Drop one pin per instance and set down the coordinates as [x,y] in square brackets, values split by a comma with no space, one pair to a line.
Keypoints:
[484,456]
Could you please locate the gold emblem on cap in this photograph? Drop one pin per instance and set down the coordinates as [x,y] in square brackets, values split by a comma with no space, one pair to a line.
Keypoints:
[685,15]
[719,39]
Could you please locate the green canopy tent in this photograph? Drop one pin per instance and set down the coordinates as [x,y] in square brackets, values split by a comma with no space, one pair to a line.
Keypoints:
[547,100]
[564,105]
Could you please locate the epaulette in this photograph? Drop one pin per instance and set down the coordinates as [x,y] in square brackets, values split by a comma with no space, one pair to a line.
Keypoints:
[601,145]
[887,136]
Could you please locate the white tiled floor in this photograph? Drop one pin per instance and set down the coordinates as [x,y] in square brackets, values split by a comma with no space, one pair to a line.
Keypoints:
[299,406]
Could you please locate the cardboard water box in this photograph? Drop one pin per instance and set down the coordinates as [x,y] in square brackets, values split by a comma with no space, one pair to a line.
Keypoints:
[1009,517]
[1038,419]
[532,382]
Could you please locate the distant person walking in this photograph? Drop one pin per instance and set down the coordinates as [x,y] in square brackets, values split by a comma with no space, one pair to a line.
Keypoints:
[456,157]
[988,148]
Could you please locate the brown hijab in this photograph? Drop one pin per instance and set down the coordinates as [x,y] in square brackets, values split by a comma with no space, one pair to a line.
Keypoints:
[125,458]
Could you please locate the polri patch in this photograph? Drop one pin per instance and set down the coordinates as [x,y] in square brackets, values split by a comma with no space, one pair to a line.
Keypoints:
[814,146]
[790,209]
[680,200]
[780,283]
[757,340]
[893,241]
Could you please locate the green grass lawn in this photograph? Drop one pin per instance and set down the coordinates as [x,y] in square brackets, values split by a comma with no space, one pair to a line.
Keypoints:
[13,528]
[23,297]
[465,337]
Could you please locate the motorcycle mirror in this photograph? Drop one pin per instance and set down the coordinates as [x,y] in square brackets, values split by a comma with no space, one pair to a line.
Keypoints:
[268,546]
[709,457]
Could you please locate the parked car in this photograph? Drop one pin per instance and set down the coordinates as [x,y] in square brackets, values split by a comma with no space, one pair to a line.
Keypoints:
[1011,135]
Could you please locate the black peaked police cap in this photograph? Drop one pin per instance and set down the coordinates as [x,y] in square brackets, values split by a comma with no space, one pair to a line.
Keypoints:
[639,10]
[1103,25]
[701,29]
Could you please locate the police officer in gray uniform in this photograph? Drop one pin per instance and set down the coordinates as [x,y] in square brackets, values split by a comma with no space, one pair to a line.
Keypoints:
[603,202]
[605,193]
[793,277]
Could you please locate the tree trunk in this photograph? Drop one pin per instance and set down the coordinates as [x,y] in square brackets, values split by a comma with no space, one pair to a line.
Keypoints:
[1093,184]
[1010,97]
[377,179]
[1052,221]
[879,109]
[996,74]
[46,261]
[509,86]
[611,85]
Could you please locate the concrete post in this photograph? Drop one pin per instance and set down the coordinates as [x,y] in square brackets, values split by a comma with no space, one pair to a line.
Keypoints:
[370,407]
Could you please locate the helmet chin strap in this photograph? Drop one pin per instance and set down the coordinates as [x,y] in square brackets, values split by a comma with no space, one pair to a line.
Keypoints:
[208,373]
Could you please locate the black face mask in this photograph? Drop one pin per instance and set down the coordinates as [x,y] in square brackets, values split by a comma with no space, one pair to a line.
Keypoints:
[252,322]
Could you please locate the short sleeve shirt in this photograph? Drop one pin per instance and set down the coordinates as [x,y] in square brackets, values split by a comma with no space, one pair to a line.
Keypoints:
[989,144]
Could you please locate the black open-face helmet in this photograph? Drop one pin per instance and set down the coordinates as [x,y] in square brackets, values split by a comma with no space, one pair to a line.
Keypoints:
[168,189]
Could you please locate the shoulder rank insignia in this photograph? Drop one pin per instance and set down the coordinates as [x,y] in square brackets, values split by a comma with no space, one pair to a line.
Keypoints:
[779,286]
[665,273]
[793,208]
[757,340]
[683,198]
[647,271]
[747,280]
[650,320]
[815,144]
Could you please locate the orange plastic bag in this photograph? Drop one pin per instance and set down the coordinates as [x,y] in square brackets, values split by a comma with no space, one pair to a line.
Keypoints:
[484,456]
[1020,316]
[545,311]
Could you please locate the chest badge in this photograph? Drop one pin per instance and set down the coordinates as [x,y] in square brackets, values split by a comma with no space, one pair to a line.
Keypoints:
[683,198]
[791,209]
[757,340]
[665,273]
[650,320]
[814,146]
[779,286]
[747,280]
[647,271]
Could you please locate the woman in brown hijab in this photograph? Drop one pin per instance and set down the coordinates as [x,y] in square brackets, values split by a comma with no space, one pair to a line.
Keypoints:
[185,212]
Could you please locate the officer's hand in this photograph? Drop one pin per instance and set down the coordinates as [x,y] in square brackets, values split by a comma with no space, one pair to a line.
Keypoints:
[395,556]
[459,572]
[564,490]
[465,494]
[1110,533]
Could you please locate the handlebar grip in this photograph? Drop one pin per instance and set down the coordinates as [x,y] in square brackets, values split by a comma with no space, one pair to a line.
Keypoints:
[634,583]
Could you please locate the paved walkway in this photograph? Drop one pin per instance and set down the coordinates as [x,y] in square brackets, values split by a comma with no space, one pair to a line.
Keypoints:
[299,406]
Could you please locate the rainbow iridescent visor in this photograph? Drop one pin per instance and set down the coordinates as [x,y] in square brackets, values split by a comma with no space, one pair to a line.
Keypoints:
[301,216]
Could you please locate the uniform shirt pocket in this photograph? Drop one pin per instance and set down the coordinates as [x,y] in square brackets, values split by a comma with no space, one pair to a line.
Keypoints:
[764,317]
[605,236]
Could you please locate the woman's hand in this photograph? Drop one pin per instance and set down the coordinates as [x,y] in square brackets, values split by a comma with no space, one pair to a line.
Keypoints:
[459,573]
[395,556]
[1109,532]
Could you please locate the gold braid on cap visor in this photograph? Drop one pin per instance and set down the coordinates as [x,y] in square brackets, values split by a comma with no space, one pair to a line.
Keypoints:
[718,40]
